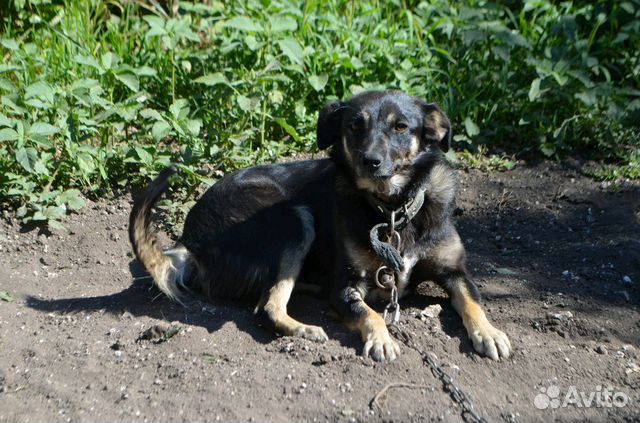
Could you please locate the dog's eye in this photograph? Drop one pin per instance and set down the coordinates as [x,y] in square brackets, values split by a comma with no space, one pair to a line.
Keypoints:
[356,125]
[401,127]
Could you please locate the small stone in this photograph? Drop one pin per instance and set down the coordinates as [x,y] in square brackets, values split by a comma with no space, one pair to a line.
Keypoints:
[430,312]
[117,353]
[626,280]
[347,412]
[632,368]
[557,318]
[157,382]
[601,349]
[618,354]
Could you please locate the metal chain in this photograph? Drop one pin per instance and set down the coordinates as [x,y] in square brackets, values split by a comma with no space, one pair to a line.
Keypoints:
[385,279]
[458,395]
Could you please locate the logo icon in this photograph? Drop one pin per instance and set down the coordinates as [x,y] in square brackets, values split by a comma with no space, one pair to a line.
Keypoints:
[548,397]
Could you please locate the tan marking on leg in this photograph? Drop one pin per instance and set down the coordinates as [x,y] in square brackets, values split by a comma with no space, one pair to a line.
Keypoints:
[378,342]
[275,306]
[486,339]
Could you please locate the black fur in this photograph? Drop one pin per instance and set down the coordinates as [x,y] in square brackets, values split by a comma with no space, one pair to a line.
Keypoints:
[385,146]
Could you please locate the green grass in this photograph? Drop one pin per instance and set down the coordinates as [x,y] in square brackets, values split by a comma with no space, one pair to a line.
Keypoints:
[96,96]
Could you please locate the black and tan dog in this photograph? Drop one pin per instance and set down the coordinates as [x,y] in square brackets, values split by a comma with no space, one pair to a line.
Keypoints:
[260,230]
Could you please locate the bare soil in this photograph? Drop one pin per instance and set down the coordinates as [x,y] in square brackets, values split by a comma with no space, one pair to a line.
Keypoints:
[542,241]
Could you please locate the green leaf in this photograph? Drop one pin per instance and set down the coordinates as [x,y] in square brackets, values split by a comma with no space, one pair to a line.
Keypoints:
[155,31]
[288,129]
[129,79]
[10,44]
[5,121]
[109,60]
[244,103]
[548,149]
[212,79]
[179,108]
[72,198]
[7,68]
[282,23]
[5,296]
[292,49]
[589,98]
[318,82]
[193,126]
[89,61]
[252,42]
[471,128]
[160,129]
[144,155]
[534,91]
[40,89]
[42,128]
[243,23]
[40,168]
[8,134]
[145,71]
[27,158]
[53,212]
[150,114]
[154,21]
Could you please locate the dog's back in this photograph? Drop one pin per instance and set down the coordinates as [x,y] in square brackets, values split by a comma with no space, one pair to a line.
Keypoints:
[234,236]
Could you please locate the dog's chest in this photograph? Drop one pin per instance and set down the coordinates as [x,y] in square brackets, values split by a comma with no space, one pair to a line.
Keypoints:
[402,278]
[365,264]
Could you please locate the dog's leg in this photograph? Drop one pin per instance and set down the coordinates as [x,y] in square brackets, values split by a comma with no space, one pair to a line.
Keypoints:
[357,315]
[446,265]
[272,307]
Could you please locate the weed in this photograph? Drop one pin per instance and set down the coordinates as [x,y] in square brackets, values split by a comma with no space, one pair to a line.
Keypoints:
[99,95]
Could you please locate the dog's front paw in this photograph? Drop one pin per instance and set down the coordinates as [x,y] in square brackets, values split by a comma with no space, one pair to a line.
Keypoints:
[312,333]
[490,341]
[380,346]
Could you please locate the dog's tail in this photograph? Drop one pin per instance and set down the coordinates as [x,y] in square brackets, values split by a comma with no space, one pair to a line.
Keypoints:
[169,269]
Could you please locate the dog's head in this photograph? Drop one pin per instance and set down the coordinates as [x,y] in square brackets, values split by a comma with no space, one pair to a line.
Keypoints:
[384,138]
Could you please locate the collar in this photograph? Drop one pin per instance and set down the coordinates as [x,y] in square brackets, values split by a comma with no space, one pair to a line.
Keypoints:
[405,213]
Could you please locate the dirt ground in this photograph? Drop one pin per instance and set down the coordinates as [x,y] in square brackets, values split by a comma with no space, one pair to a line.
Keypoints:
[556,256]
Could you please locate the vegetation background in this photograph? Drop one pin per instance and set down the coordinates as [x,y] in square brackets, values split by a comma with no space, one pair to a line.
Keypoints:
[97,96]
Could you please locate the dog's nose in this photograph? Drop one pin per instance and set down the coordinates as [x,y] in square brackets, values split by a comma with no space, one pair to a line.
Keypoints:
[372,161]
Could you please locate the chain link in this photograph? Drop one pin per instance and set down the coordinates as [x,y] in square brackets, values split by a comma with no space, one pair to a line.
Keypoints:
[468,411]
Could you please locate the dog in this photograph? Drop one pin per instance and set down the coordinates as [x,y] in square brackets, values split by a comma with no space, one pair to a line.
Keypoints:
[260,230]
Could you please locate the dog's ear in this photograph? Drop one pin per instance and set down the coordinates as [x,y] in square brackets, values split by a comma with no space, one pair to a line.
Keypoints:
[436,128]
[329,122]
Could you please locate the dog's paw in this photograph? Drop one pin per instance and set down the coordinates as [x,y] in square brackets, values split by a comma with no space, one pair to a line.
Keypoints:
[380,346]
[490,341]
[312,333]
